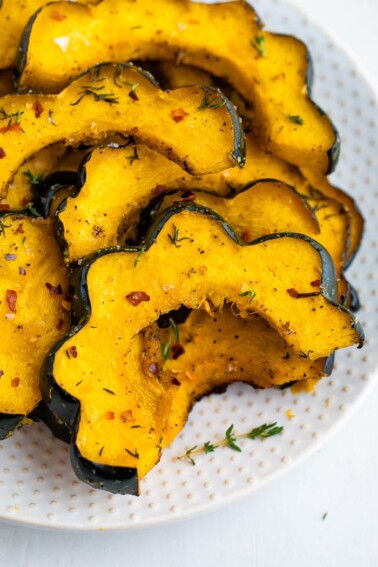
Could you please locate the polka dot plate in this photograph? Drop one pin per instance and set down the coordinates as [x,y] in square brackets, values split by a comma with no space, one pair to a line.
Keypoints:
[37,486]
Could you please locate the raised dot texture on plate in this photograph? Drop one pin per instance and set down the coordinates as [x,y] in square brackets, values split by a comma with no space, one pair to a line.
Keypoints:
[36,477]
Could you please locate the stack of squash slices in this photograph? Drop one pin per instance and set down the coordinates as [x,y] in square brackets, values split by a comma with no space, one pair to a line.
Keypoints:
[162,235]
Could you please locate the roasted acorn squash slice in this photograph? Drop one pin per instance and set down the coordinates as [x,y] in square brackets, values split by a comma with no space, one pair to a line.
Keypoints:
[117,411]
[271,71]
[208,352]
[34,311]
[124,99]
[93,219]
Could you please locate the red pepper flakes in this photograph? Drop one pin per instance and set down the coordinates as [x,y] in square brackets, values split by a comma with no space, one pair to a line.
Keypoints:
[2,153]
[246,236]
[188,196]
[136,297]
[153,368]
[54,290]
[15,382]
[11,297]
[20,229]
[176,382]
[110,415]
[72,351]
[127,416]
[133,95]
[176,351]
[22,271]
[159,190]
[59,325]
[1,373]
[316,283]
[4,207]
[15,127]
[38,108]
[294,293]
[179,114]
[57,16]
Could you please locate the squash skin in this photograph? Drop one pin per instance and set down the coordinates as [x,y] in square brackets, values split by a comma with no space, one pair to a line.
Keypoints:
[65,404]
[194,47]
[19,401]
[79,114]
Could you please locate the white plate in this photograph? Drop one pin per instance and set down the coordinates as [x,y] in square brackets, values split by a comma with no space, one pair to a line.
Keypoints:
[37,486]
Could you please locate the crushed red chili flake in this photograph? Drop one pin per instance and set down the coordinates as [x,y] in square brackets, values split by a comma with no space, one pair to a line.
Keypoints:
[59,325]
[1,373]
[188,196]
[15,127]
[294,293]
[72,351]
[54,290]
[136,297]
[22,271]
[110,415]
[316,283]
[15,382]
[159,190]
[10,257]
[4,207]
[2,153]
[58,16]
[179,114]
[133,95]
[176,351]
[20,229]
[11,297]
[38,108]
[153,368]
[246,236]
[176,382]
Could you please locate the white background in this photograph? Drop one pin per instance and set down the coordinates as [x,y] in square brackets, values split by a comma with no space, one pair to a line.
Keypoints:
[282,524]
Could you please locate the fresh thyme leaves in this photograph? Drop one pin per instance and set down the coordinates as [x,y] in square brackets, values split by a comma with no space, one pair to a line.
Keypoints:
[135,454]
[259,44]
[101,451]
[175,330]
[97,94]
[306,355]
[230,440]
[296,119]
[251,293]
[33,178]
[175,238]
[30,207]
[140,254]
[134,156]
[3,227]
[109,391]
[133,86]
[165,351]
[14,118]
[211,100]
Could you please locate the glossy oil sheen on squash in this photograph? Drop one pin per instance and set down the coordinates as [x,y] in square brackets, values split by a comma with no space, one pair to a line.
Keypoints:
[33,287]
[102,101]
[226,39]
[194,258]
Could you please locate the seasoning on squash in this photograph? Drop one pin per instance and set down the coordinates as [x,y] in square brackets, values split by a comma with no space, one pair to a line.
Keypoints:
[15,127]
[4,207]
[72,351]
[127,416]
[22,271]
[179,114]
[59,325]
[11,297]
[58,16]
[176,351]
[54,290]
[10,257]
[136,297]
[316,283]
[20,229]
[110,415]
[38,108]
[294,293]
[153,368]
[2,153]
[15,382]
[1,373]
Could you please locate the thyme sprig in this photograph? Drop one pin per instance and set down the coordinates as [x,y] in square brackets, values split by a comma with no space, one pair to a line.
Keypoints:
[230,440]
[3,226]
[134,156]
[211,100]
[296,119]
[97,94]
[259,44]
[31,209]
[33,178]
[175,238]
[12,118]
[166,348]
[139,256]
[251,293]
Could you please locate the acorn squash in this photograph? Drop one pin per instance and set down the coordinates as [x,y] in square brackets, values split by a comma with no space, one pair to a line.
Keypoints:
[34,312]
[117,411]
[6,80]
[124,99]
[270,71]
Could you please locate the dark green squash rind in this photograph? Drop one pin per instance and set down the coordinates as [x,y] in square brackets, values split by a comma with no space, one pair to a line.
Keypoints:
[9,423]
[67,408]
[45,192]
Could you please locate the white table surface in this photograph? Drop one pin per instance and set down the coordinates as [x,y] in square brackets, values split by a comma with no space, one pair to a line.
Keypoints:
[282,524]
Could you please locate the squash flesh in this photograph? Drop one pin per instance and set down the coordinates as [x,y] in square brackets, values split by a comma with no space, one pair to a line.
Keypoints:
[39,319]
[200,35]
[74,117]
[188,274]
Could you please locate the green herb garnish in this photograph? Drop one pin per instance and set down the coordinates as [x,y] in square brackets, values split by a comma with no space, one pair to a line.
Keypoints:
[97,95]
[139,255]
[134,156]
[12,118]
[175,238]
[33,178]
[31,209]
[230,440]
[251,293]
[211,100]
[296,119]
[3,227]
[259,44]
[135,454]
[165,351]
